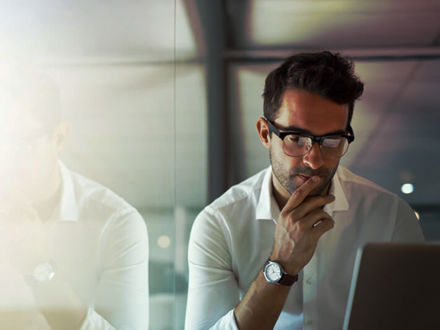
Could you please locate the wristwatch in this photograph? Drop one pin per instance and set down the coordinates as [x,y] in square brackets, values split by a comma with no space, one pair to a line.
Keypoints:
[44,272]
[41,275]
[274,273]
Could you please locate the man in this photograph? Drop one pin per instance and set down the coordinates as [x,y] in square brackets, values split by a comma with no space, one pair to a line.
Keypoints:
[277,250]
[73,255]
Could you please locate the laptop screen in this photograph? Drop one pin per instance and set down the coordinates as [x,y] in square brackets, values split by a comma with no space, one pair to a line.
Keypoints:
[395,286]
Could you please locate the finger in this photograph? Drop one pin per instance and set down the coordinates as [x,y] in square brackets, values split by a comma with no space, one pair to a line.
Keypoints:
[312,219]
[322,227]
[301,193]
[310,204]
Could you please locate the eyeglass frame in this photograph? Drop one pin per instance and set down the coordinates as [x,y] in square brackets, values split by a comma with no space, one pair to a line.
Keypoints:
[317,139]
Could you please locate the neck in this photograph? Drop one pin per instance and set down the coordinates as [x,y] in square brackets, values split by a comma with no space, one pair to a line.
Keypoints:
[47,202]
[279,192]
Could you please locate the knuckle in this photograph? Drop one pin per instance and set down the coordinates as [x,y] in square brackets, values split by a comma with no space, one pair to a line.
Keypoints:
[323,214]
[295,214]
[284,214]
[300,226]
[327,225]
[315,214]
[325,199]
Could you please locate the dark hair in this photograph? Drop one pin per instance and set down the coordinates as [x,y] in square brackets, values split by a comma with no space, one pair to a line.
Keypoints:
[324,73]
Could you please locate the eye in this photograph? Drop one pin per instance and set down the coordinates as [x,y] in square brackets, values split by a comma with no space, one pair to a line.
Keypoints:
[332,142]
[296,140]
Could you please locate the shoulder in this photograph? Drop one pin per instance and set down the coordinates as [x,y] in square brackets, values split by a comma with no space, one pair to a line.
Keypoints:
[238,196]
[365,194]
[237,203]
[94,195]
[97,205]
[381,212]
[354,184]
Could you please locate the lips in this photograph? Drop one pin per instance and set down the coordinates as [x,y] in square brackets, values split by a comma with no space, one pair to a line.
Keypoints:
[302,178]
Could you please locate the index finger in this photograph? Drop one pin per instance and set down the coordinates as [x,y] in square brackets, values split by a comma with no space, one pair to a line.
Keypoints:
[301,193]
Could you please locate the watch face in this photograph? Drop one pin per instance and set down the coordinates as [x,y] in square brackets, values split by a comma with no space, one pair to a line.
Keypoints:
[43,272]
[272,272]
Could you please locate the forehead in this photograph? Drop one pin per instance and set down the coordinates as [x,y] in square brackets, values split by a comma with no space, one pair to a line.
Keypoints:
[311,112]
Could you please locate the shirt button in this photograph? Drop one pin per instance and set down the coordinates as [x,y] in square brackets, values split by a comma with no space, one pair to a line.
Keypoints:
[309,281]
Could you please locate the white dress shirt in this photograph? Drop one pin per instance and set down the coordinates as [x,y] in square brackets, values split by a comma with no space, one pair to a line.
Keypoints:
[232,238]
[99,245]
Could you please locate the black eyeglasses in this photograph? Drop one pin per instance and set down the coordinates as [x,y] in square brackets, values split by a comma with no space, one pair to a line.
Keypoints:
[297,144]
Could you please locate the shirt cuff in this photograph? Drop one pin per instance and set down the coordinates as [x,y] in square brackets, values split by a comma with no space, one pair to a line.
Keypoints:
[94,321]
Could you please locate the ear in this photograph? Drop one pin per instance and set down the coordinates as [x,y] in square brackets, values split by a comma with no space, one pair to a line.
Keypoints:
[263,132]
[59,136]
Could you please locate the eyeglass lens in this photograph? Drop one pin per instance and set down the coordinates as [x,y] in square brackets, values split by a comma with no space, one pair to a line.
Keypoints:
[297,145]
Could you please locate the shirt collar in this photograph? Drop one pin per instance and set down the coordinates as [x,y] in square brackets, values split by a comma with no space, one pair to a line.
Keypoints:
[341,202]
[67,209]
[267,207]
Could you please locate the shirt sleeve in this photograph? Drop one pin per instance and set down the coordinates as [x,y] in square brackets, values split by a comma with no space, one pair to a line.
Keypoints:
[121,297]
[407,228]
[95,321]
[213,290]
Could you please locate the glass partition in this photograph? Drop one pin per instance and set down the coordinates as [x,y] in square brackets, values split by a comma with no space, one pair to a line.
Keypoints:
[133,97]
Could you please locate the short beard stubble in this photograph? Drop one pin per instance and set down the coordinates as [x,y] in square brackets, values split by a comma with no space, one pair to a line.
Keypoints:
[286,179]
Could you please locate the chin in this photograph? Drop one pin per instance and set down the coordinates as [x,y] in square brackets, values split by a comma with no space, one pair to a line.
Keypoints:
[315,192]
[318,191]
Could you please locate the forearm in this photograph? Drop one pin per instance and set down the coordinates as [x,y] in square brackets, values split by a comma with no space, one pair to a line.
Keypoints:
[261,305]
[299,227]
[59,304]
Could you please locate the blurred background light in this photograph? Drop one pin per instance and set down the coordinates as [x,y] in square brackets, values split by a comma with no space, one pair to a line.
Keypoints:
[164,241]
[417,215]
[407,188]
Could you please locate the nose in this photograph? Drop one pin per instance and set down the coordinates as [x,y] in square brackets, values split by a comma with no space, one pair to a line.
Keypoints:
[313,158]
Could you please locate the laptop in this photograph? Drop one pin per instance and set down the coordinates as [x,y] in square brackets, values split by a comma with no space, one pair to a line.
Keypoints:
[395,286]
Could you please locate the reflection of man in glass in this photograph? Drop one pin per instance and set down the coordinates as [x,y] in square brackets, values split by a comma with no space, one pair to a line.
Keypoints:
[73,254]
[277,251]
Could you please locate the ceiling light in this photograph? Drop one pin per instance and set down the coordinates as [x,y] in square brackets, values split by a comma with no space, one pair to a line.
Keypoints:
[407,188]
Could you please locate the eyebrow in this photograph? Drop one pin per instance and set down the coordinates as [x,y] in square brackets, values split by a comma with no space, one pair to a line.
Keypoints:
[305,131]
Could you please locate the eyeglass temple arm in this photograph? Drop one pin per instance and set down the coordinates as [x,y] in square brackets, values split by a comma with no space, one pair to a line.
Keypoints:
[351,133]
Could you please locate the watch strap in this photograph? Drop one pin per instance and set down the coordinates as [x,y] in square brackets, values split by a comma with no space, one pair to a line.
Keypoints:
[286,279]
